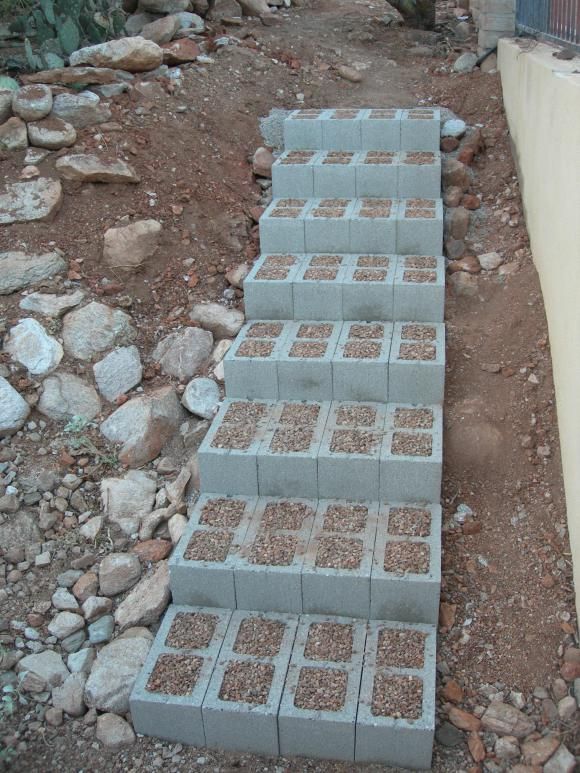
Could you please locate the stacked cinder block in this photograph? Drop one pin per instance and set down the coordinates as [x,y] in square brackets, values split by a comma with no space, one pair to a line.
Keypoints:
[306,584]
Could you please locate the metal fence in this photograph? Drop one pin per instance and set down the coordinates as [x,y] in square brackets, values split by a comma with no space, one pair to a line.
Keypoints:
[557,20]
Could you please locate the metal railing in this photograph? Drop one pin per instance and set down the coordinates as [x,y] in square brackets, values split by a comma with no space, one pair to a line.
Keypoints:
[556,20]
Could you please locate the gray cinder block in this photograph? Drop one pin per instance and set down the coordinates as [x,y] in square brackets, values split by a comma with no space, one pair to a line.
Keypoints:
[303,129]
[305,361]
[293,174]
[381,129]
[377,174]
[318,292]
[341,129]
[420,227]
[327,225]
[251,363]
[421,129]
[417,363]
[361,362]
[419,288]
[373,226]
[268,288]
[368,291]
[282,226]
[419,174]
[335,174]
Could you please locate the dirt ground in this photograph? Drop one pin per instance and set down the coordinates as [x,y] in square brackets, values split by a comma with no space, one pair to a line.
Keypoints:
[509,578]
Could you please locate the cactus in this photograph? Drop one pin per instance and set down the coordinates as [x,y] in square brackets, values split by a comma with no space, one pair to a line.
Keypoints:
[68,34]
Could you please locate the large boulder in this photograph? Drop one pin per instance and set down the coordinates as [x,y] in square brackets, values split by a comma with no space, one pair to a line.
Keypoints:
[14,409]
[131,54]
[65,396]
[51,305]
[31,103]
[145,604]
[19,270]
[118,572]
[201,397]
[86,168]
[182,354]
[113,674]
[180,52]
[161,30]
[80,110]
[130,245]
[118,372]
[51,133]
[13,135]
[75,76]
[114,732]
[6,96]
[29,344]
[126,501]
[94,328]
[47,666]
[221,321]
[143,425]
[27,201]
[69,696]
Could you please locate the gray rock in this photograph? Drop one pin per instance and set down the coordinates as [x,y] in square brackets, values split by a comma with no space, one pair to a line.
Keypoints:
[161,30]
[562,761]
[67,579]
[95,328]
[14,409]
[101,630]
[221,321]
[137,21]
[163,6]
[13,134]
[448,735]
[201,397]
[118,572]
[47,665]
[51,305]
[29,344]
[29,201]
[129,246]
[81,661]
[80,110]
[64,601]
[191,21]
[19,270]
[31,103]
[64,624]
[503,719]
[113,674]
[87,168]
[95,607]
[51,133]
[118,372]
[74,642]
[114,732]
[489,261]
[131,54]
[147,601]
[454,127]
[69,696]
[64,396]
[5,104]
[465,63]
[127,500]
[19,531]
[182,354]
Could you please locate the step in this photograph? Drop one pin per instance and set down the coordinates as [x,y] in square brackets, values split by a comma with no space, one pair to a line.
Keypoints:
[354,450]
[369,173]
[346,287]
[368,225]
[369,129]
[292,685]
[357,361]
[323,556]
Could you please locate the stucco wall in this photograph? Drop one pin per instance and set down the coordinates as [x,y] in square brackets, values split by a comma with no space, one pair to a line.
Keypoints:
[542,103]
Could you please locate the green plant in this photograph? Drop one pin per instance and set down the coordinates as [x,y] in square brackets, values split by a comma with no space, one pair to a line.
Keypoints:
[9,698]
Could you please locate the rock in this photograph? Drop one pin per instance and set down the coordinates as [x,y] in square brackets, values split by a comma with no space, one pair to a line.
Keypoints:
[201,397]
[114,732]
[13,134]
[463,284]
[29,344]
[51,305]
[161,30]
[448,735]
[135,23]
[453,196]
[452,691]
[176,489]
[567,707]
[163,6]
[471,201]
[570,671]
[454,248]
[464,720]
[64,601]
[95,607]
[118,372]
[31,200]
[465,63]
[469,263]
[490,261]
[349,73]
[101,630]
[91,528]
[457,222]
[113,674]
[127,500]
[86,168]
[448,144]
[537,752]
[489,64]
[47,666]
[507,748]
[221,321]
[476,747]
[118,572]
[31,103]
[64,624]
[236,276]
[85,586]
[65,396]
[129,246]
[462,31]
[147,601]
[73,76]
[190,21]
[152,550]
[132,54]
[5,104]
[503,719]
[180,52]
[455,174]
[454,127]
[69,696]
[14,409]
[176,526]
[52,133]
[80,110]
[95,328]
[183,353]
[53,717]
[19,270]
[262,162]
[81,661]
[561,762]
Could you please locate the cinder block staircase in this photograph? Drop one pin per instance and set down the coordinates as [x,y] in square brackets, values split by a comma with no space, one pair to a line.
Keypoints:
[306,586]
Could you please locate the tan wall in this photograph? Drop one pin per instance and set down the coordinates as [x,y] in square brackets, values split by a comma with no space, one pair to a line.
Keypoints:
[542,103]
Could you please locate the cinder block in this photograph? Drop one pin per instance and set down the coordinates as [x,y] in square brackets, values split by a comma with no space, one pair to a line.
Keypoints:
[373,227]
[419,288]
[420,227]
[282,226]
[487,39]
[381,129]
[337,567]
[303,129]
[306,360]
[240,725]
[350,450]
[321,733]
[200,576]
[177,717]
[420,129]
[335,174]
[317,291]
[341,129]
[405,584]
[251,363]
[369,288]
[268,568]
[498,22]
[417,363]
[411,454]
[405,742]
[268,288]
[419,174]
[360,365]
[327,225]
[293,174]
[377,174]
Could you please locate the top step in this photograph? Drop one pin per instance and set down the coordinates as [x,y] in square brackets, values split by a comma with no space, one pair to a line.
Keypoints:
[370,129]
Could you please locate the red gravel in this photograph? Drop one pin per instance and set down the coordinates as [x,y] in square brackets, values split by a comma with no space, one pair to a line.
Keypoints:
[401,648]
[288,516]
[413,418]
[288,440]
[409,522]
[356,416]
[339,553]
[273,550]
[420,277]
[412,444]
[247,682]
[175,674]
[349,518]
[329,641]
[260,637]
[399,697]
[209,546]
[406,557]
[255,349]
[321,689]
[369,275]
[417,351]
[224,513]
[191,630]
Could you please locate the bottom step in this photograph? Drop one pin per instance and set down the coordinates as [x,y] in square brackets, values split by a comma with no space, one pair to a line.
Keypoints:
[291,685]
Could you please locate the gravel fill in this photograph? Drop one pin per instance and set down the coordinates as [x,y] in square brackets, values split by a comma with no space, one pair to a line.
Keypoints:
[237,437]
[356,416]
[419,158]
[326,260]
[420,277]
[317,274]
[374,212]
[369,275]
[175,674]
[338,157]
[273,550]
[314,331]
[328,212]
[296,413]
[329,641]
[413,418]
[373,261]
[291,440]
[265,330]
[255,349]
[418,213]
[223,513]
[399,697]
[417,351]
[401,648]
[418,261]
[339,553]
[321,689]
[379,157]
[191,630]
[418,333]
[308,349]
[342,112]
[324,203]
[353,441]
[406,558]
[286,212]
[350,518]
[291,202]
[272,273]
[260,637]
[280,260]
[362,350]
[245,411]
[307,113]
[247,682]
[366,331]
[288,516]
[409,522]
[380,112]
[412,444]
[298,157]
[209,546]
